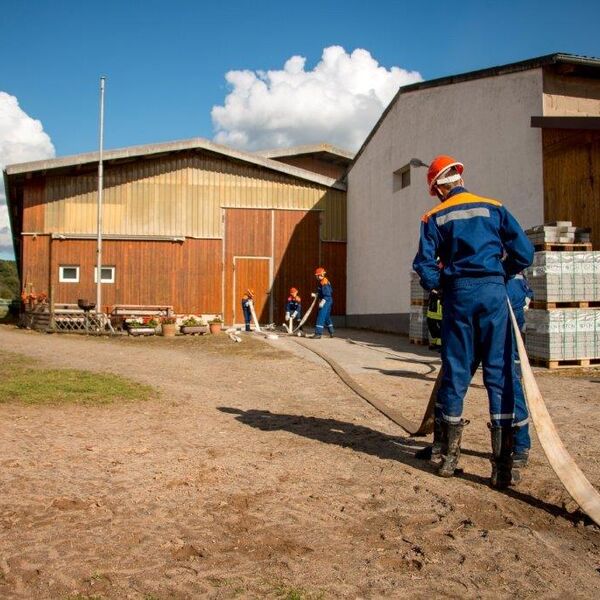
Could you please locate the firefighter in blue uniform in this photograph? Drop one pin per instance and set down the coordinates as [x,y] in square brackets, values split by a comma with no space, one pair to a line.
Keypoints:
[293,307]
[324,296]
[470,234]
[520,294]
[247,300]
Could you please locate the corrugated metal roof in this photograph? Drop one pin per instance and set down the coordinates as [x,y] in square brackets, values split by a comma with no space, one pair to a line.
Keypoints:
[168,147]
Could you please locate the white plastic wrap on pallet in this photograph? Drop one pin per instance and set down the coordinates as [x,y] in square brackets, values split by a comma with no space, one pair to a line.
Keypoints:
[418,323]
[565,276]
[417,293]
[563,333]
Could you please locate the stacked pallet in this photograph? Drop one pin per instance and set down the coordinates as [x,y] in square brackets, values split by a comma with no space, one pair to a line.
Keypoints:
[418,332]
[560,233]
[563,325]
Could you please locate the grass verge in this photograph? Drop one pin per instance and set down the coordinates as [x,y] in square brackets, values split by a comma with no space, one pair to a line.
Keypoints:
[23,380]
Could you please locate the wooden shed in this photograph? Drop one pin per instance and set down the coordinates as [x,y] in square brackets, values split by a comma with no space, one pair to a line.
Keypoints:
[189,223]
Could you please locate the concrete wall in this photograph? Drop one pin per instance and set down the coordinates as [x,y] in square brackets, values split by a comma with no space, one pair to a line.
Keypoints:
[485,123]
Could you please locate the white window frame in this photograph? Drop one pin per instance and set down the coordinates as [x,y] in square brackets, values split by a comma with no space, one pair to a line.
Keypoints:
[61,274]
[104,280]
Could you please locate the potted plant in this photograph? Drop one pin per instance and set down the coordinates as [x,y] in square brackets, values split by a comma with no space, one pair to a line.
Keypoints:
[193,326]
[168,326]
[215,325]
[140,327]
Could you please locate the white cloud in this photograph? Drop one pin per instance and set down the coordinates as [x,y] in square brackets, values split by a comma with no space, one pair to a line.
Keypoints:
[21,139]
[338,102]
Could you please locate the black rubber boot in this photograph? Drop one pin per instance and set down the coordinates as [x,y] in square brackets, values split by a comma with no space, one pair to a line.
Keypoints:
[432,452]
[450,451]
[502,459]
[520,459]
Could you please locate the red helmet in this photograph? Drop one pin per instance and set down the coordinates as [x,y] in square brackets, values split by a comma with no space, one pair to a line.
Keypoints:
[439,165]
[293,291]
[320,271]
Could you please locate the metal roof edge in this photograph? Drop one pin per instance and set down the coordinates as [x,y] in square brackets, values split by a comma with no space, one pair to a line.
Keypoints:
[524,65]
[174,146]
[306,149]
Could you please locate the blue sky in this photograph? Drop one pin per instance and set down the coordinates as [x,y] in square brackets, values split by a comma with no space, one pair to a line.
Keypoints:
[166,61]
[232,72]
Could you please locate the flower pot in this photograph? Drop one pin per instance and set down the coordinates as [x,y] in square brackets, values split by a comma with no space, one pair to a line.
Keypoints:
[139,331]
[215,328]
[169,329]
[194,329]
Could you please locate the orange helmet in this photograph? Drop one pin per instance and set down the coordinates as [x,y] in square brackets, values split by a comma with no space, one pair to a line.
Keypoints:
[439,165]
[250,293]
[293,291]
[320,271]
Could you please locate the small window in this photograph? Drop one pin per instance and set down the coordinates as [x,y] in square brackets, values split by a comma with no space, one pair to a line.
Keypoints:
[402,178]
[108,274]
[68,274]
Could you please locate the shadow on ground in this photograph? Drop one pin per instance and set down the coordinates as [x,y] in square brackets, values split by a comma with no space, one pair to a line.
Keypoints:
[369,441]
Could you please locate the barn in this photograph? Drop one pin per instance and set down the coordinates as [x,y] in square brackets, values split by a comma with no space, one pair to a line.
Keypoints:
[190,224]
[528,134]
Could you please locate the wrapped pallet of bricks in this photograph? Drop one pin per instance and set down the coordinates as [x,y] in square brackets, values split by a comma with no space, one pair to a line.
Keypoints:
[563,324]
[563,336]
[418,332]
[565,277]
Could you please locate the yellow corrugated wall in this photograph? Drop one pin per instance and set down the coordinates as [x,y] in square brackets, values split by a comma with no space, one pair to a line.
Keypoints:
[182,196]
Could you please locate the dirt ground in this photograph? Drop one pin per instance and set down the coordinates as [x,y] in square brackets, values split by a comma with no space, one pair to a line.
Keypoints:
[258,474]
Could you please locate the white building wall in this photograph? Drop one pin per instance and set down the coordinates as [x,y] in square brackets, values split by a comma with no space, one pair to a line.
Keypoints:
[484,123]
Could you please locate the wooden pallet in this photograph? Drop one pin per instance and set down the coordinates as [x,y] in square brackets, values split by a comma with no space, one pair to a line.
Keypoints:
[419,302]
[565,364]
[540,304]
[551,247]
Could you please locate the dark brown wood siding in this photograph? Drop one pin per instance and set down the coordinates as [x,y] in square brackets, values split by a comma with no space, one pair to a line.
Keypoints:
[572,178]
[296,256]
[186,275]
[247,233]
[333,258]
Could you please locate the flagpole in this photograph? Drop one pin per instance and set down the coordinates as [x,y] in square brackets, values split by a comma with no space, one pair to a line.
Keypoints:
[100,194]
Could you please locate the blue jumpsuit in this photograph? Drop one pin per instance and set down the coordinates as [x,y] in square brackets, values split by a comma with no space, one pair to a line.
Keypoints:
[469,235]
[294,305]
[324,292]
[518,291]
[247,312]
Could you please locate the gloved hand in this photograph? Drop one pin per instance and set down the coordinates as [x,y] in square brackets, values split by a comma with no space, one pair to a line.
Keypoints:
[287,316]
[313,295]
[322,303]
[527,303]
[294,314]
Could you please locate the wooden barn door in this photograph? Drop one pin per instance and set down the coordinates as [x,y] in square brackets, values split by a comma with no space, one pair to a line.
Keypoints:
[250,272]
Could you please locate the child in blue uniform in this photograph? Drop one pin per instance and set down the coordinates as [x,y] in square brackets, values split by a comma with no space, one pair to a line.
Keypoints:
[324,296]
[469,234]
[293,308]
[247,299]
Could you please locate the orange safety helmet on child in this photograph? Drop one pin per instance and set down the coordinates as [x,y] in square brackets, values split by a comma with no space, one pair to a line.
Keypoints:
[439,165]
[320,271]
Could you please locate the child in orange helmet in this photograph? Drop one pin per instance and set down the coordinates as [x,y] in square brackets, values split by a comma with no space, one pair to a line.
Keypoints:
[247,300]
[324,295]
[293,307]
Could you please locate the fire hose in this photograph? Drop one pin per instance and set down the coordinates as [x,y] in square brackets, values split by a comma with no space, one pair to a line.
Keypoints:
[566,469]
[570,475]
